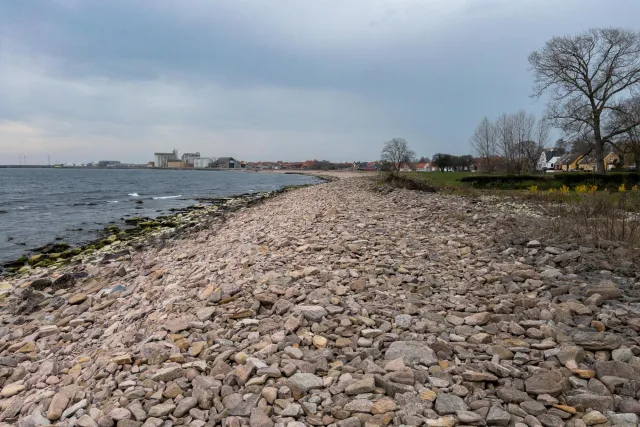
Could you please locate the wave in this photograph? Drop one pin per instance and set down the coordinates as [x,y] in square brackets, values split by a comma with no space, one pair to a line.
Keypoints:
[112,201]
[167,197]
[133,195]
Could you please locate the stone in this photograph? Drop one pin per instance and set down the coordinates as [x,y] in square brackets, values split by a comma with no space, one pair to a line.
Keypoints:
[533,407]
[547,382]
[448,404]
[259,419]
[124,359]
[384,405]
[549,420]
[591,401]
[12,389]
[478,319]
[162,409]
[411,352]
[498,417]
[77,298]
[511,395]
[469,417]
[594,341]
[615,368]
[118,414]
[607,289]
[167,374]
[594,417]
[184,406]
[366,385]
[313,313]
[57,406]
[205,313]
[306,381]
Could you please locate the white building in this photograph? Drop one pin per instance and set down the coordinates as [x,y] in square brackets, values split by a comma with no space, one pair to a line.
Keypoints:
[203,162]
[548,159]
[190,158]
[161,160]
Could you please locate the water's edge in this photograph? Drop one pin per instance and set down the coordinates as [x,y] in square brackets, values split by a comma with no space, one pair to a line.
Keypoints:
[139,230]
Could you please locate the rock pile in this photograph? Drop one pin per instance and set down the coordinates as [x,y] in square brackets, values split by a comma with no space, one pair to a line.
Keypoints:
[330,306]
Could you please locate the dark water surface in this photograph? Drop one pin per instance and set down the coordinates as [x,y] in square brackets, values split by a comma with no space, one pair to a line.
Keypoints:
[40,205]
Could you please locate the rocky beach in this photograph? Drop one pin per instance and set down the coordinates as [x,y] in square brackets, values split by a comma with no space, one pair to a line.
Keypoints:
[342,304]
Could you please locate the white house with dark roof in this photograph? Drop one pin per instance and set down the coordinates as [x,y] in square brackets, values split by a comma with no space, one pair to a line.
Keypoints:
[548,159]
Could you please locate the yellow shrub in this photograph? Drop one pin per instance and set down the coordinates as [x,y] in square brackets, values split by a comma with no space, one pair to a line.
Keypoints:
[564,189]
[621,188]
[634,188]
[581,189]
[533,188]
[551,190]
[593,189]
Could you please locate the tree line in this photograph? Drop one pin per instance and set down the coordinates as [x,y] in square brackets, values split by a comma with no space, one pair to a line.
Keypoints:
[512,142]
[592,84]
[396,154]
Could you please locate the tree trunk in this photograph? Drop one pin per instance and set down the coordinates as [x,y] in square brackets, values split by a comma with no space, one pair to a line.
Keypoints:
[599,145]
[599,156]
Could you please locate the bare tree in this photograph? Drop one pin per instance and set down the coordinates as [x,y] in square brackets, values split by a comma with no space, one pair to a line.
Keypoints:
[397,152]
[523,126]
[506,141]
[483,142]
[588,77]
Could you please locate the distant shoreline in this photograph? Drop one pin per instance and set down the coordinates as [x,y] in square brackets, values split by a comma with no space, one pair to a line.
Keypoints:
[120,168]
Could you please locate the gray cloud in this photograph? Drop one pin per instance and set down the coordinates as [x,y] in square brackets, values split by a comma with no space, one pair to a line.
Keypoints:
[262,80]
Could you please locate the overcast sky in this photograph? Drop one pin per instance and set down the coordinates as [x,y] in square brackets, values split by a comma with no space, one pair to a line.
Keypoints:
[269,80]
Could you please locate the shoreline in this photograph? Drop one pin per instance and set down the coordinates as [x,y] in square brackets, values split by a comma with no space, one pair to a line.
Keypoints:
[335,305]
[135,230]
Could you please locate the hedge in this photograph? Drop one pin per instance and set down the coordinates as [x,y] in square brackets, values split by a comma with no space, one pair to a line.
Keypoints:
[509,182]
[611,180]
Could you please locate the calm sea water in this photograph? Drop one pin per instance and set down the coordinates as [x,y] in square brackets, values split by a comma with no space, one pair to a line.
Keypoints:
[39,205]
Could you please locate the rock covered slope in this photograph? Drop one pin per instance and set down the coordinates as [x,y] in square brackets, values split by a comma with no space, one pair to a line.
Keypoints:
[331,305]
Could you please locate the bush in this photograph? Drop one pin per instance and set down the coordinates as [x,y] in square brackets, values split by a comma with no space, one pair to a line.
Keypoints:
[610,181]
[402,181]
[505,182]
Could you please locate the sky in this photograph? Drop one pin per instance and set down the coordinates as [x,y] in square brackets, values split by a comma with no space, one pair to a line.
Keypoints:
[288,80]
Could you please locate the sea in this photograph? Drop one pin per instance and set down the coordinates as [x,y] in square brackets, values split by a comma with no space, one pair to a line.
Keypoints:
[39,206]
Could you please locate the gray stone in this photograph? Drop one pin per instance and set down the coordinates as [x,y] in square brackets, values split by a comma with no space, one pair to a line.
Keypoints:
[184,406]
[305,381]
[615,368]
[167,374]
[246,406]
[547,382]
[533,407]
[548,420]
[511,395]
[498,417]
[607,289]
[313,313]
[162,409]
[469,417]
[366,385]
[411,352]
[591,401]
[567,256]
[449,404]
[259,419]
[594,341]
